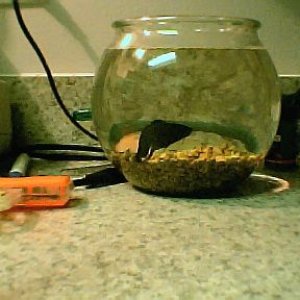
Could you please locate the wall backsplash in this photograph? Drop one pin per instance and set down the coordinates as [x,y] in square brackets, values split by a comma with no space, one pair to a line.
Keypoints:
[38,119]
[36,116]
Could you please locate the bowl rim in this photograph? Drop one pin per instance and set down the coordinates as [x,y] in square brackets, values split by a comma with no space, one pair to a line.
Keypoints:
[196,19]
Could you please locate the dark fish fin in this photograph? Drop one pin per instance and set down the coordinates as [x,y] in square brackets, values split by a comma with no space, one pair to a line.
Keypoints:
[144,146]
[169,133]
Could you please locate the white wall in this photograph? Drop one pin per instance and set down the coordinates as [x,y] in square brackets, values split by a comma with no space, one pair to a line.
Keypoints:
[91,20]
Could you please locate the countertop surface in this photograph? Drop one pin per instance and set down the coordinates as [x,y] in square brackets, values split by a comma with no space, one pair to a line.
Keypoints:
[119,243]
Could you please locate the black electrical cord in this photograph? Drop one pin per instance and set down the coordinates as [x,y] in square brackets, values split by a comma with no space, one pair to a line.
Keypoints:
[56,152]
[51,80]
[45,147]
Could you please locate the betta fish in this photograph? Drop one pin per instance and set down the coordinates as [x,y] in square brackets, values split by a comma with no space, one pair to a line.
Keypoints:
[160,134]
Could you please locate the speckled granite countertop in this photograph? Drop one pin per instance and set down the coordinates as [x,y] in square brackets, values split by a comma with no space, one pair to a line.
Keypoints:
[119,243]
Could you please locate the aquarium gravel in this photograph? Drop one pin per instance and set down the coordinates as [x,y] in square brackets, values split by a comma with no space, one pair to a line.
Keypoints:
[188,171]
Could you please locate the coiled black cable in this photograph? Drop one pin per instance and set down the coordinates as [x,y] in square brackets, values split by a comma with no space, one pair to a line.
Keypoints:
[56,152]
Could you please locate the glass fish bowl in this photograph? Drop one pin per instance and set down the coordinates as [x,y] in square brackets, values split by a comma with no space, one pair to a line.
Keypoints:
[186,104]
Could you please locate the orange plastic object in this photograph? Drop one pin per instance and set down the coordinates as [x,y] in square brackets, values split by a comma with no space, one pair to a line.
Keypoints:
[38,191]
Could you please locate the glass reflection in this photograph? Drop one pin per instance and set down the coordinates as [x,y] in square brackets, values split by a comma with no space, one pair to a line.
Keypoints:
[162,60]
